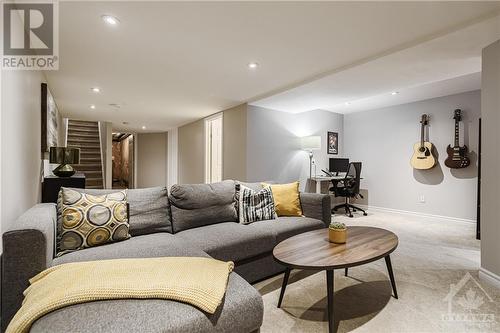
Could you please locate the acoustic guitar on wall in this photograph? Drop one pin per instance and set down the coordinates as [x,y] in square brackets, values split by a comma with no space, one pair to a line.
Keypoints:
[457,156]
[423,157]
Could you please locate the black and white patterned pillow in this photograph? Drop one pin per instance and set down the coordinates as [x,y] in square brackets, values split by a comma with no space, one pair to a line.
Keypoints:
[254,206]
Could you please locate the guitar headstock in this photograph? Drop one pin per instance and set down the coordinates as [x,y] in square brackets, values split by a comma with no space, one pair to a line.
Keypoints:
[425,119]
[457,115]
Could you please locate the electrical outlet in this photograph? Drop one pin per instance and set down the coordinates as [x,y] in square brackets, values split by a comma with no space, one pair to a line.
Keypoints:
[421,198]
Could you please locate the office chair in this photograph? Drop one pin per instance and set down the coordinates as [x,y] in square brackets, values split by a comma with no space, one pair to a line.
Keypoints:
[348,188]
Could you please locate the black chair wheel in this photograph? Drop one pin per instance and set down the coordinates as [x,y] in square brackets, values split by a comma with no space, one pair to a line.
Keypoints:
[365,214]
[350,215]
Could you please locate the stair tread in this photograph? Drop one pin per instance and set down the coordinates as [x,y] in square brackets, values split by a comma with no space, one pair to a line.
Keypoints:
[78,129]
[85,145]
[84,125]
[83,132]
[82,122]
[79,143]
[84,128]
[87,142]
[83,136]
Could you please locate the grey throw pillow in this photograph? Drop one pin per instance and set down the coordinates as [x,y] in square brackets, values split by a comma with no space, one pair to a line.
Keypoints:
[254,206]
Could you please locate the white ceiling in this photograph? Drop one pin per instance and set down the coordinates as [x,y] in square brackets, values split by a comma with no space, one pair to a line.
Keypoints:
[445,65]
[170,63]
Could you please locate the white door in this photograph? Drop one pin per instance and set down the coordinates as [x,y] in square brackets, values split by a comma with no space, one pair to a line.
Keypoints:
[213,149]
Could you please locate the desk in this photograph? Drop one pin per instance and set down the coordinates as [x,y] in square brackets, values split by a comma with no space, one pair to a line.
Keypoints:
[321,184]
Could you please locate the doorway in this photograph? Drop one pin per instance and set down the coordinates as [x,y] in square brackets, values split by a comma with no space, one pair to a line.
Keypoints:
[123,161]
[213,148]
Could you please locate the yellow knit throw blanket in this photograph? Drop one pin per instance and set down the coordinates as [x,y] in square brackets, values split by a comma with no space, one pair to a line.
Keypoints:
[198,281]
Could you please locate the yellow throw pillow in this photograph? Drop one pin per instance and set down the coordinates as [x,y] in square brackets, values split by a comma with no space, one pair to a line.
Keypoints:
[286,199]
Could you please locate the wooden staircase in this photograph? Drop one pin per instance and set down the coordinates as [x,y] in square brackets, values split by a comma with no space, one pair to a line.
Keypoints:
[85,135]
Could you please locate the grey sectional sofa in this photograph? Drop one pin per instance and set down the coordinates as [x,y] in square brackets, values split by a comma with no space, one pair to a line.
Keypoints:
[201,221]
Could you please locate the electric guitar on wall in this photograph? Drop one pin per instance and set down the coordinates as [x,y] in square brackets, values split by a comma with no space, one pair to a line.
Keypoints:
[423,157]
[457,158]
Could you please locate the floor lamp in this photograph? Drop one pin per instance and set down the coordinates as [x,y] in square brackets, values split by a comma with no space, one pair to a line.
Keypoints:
[310,143]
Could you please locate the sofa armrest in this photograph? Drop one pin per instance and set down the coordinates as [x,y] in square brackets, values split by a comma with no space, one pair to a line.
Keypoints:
[28,249]
[317,206]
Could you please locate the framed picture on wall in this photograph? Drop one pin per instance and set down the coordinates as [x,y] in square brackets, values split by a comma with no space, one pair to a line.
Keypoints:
[333,143]
[49,120]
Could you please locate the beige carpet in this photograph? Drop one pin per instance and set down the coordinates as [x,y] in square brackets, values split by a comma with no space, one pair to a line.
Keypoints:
[432,255]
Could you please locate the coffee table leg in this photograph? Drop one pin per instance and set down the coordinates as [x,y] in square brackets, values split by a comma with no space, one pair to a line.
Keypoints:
[346,271]
[391,275]
[283,286]
[329,288]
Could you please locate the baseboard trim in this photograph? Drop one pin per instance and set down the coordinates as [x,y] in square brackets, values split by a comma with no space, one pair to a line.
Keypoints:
[425,215]
[489,277]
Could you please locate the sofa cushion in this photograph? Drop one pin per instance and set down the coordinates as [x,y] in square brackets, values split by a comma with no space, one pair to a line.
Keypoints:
[155,316]
[230,240]
[196,205]
[286,226]
[149,209]
[91,220]
[154,245]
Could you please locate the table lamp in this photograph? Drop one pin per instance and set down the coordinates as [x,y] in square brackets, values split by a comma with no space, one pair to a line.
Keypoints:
[64,157]
[310,143]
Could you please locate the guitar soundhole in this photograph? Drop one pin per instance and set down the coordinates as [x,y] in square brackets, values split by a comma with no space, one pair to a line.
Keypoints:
[421,149]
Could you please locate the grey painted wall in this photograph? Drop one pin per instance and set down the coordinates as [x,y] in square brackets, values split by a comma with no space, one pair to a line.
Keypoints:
[273,143]
[191,153]
[234,142]
[490,161]
[151,165]
[383,140]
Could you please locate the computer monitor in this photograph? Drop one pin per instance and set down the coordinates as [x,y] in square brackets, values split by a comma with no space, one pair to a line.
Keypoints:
[338,165]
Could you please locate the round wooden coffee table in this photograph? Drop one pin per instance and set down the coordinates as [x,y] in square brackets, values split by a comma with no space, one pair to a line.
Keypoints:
[312,250]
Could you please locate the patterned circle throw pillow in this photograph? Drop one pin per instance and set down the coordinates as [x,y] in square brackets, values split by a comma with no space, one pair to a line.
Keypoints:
[92,220]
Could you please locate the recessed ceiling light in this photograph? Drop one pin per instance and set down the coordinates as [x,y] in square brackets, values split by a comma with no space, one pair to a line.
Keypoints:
[95,89]
[92,107]
[111,20]
[143,127]
[394,93]
[253,65]
[347,103]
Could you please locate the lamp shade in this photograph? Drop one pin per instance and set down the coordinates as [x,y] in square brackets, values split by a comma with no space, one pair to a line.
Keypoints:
[64,155]
[311,142]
